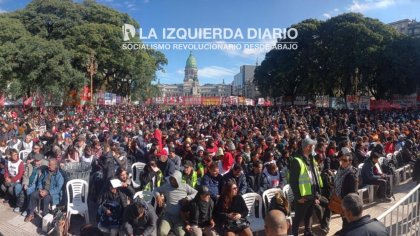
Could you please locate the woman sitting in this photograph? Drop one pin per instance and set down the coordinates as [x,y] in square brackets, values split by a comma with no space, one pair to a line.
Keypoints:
[231,212]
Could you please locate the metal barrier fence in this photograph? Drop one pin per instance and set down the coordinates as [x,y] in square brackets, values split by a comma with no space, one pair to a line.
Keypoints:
[403,218]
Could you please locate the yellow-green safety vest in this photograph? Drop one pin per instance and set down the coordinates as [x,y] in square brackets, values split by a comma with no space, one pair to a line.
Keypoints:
[193,179]
[305,186]
[158,179]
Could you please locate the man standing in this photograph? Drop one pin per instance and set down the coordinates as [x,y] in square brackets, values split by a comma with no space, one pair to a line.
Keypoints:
[305,182]
[49,189]
[359,225]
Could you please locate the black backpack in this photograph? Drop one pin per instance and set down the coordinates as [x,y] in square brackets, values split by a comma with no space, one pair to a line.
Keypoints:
[389,166]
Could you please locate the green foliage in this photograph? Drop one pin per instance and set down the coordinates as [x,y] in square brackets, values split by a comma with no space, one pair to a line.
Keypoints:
[54,58]
[344,55]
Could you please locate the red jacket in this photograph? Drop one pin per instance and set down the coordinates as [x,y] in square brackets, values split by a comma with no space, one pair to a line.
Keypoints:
[19,174]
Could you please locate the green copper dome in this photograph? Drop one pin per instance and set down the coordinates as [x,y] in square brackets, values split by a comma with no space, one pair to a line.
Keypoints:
[191,62]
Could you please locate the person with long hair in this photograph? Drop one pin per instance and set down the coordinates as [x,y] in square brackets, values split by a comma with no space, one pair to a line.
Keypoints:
[230,208]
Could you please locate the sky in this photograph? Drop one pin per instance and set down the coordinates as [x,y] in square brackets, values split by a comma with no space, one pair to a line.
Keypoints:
[215,66]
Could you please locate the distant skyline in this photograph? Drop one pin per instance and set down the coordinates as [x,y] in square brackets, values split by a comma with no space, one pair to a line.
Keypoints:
[214,66]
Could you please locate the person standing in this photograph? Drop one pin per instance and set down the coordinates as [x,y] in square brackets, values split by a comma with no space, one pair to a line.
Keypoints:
[305,182]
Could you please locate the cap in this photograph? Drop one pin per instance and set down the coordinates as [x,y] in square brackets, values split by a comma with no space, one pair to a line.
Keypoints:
[200,148]
[163,152]
[188,164]
[219,152]
[307,141]
[171,149]
[203,190]
[270,139]
[345,150]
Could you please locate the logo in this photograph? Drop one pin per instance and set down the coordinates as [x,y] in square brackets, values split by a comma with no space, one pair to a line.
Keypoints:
[128,31]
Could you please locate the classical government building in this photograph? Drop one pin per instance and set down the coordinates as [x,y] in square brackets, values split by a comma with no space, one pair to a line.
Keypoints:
[191,85]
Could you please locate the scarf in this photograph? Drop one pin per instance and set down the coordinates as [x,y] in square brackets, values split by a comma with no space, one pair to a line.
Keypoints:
[339,179]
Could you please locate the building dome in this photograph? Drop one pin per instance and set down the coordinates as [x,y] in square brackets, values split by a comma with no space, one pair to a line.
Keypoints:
[191,62]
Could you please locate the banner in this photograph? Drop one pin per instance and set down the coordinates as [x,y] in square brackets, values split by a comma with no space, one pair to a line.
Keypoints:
[249,102]
[322,101]
[352,102]
[337,103]
[210,101]
[383,105]
[261,102]
[300,101]
[364,103]
[405,101]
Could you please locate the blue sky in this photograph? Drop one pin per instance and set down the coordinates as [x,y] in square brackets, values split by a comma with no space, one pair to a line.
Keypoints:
[216,65]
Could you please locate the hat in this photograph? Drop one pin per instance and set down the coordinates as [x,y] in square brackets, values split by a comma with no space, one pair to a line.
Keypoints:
[307,141]
[38,157]
[270,139]
[203,190]
[163,152]
[345,150]
[171,149]
[200,148]
[188,164]
[231,146]
[219,152]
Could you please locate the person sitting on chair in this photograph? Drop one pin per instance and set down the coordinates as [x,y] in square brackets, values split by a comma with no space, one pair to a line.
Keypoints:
[49,189]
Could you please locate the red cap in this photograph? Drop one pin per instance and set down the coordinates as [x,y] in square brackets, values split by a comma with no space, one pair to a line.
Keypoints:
[163,152]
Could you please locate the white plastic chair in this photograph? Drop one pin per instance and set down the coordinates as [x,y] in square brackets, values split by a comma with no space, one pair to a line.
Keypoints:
[24,154]
[136,169]
[77,201]
[268,195]
[257,224]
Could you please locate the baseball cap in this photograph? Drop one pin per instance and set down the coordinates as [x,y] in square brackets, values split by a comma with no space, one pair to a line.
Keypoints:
[307,141]
[203,190]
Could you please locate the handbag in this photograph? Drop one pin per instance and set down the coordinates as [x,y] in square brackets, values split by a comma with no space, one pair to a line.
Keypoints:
[237,225]
[335,204]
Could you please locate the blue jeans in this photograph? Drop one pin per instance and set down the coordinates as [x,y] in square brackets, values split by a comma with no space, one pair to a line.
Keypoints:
[12,189]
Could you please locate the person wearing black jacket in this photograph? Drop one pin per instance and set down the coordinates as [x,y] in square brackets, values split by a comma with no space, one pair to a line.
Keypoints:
[359,225]
[166,165]
[200,214]
[139,218]
[345,180]
[257,181]
[231,207]
[305,186]
[236,174]
[370,175]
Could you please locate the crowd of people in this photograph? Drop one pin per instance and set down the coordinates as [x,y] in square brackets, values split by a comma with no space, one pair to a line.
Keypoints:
[199,161]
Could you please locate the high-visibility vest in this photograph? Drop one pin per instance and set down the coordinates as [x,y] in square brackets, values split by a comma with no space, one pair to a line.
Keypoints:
[193,179]
[158,181]
[200,166]
[305,185]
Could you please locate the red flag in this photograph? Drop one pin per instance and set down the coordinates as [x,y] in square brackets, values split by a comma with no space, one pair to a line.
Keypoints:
[1,100]
[28,101]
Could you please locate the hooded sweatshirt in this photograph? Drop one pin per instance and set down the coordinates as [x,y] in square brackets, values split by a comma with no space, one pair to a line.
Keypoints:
[173,196]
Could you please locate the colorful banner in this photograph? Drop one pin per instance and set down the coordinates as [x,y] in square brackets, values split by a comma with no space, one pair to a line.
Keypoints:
[322,101]
[210,101]
[405,101]
[300,101]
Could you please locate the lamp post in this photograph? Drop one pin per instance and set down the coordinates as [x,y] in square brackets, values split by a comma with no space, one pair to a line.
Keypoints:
[356,79]
[92,68]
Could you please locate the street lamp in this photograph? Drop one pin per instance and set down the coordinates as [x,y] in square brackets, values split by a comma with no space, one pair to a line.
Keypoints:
[92,67]
[356,80]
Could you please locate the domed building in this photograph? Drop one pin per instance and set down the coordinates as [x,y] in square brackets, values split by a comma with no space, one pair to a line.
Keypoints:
[191,85]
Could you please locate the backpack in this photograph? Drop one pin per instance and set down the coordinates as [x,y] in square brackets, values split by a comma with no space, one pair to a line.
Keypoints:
[114,219]
[389,166]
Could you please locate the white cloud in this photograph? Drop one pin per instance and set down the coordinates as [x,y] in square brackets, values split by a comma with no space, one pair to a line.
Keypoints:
[326,15]
[255,50]
[216,72]
[367,5]
[2,11]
